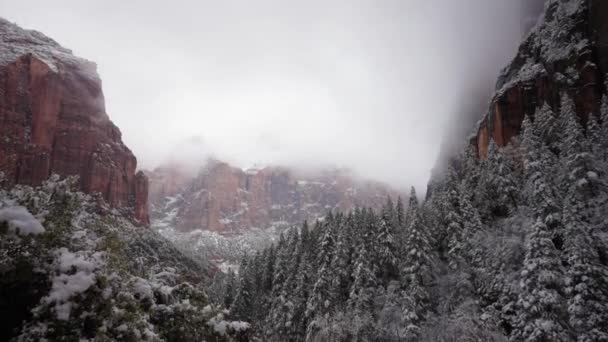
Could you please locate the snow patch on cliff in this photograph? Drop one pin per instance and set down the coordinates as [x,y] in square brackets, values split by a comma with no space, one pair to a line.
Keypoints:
[16,42]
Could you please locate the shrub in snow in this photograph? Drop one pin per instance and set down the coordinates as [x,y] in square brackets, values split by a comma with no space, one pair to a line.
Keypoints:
[20,221]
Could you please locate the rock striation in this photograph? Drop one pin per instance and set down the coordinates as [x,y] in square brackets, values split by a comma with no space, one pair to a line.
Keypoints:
[565,52]
[229,200]
[53,120]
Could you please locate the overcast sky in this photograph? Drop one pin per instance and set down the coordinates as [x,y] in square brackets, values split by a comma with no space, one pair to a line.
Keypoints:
[369,85]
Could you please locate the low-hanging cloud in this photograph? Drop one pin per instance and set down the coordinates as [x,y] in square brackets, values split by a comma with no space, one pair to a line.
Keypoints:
[370,85]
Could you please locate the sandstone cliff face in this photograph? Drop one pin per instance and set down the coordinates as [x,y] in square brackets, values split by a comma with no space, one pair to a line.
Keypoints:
[53,120]
[567,52]
[166,181]
[229,200]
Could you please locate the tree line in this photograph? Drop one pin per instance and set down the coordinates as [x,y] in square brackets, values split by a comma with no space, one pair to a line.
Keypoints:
[510,247]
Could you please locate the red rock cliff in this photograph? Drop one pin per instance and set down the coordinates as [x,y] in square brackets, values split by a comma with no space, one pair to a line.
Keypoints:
[53,120]
[566,52]
[229,200]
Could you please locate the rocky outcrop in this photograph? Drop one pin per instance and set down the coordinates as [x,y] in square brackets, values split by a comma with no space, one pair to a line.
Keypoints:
[566,52]
[228,200]
[53,120]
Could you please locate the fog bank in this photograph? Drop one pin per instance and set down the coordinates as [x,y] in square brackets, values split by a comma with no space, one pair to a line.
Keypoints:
[373,86]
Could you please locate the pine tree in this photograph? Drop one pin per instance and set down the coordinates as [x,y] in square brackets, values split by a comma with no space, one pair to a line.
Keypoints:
[342,264]
[470,168]
[547,127]
[388,209]
[384,252]
[434,219]
[396,316]
[299,321]
[587,275]
[542,314]
[296,249]
[412,208]
[279,316]
[454,222]
[305,237]
[594,136]
[400,213]
[230,289]
[574,150]
[242,306]
[472,225]
[320,301]
[268,275]
[497,188]
[364,286]
[263,300]
[418,263]
[604,128]
[540,193]
[579,168]
[362,296]
[587,281]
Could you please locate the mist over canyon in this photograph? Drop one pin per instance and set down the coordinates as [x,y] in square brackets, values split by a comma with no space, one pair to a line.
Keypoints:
[376,87]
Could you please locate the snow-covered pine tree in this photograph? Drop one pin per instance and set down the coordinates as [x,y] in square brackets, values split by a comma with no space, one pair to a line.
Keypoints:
[361,297]
[297,249]
[268,274]
[594,136]
[342,264]
[604,127]
[454,222]
[242,306]
[385,250]
[410,211]
[388,209]
[498,187]
[363,293]
[257,272]
[299,321]
[539,192]
[320,301]
[417,270]
[547,127]
[586,281]
[280,267]
[390,318]
[470,168]
[587,271]
[305,237]
[278,322]
[472,226]
[412,207]
[579,169]
[541,306]
[230,288]
[267,264]
[400,212]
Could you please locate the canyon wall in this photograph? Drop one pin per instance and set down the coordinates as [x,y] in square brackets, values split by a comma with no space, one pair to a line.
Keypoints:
[566,53]
[53,120]
[229,200]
